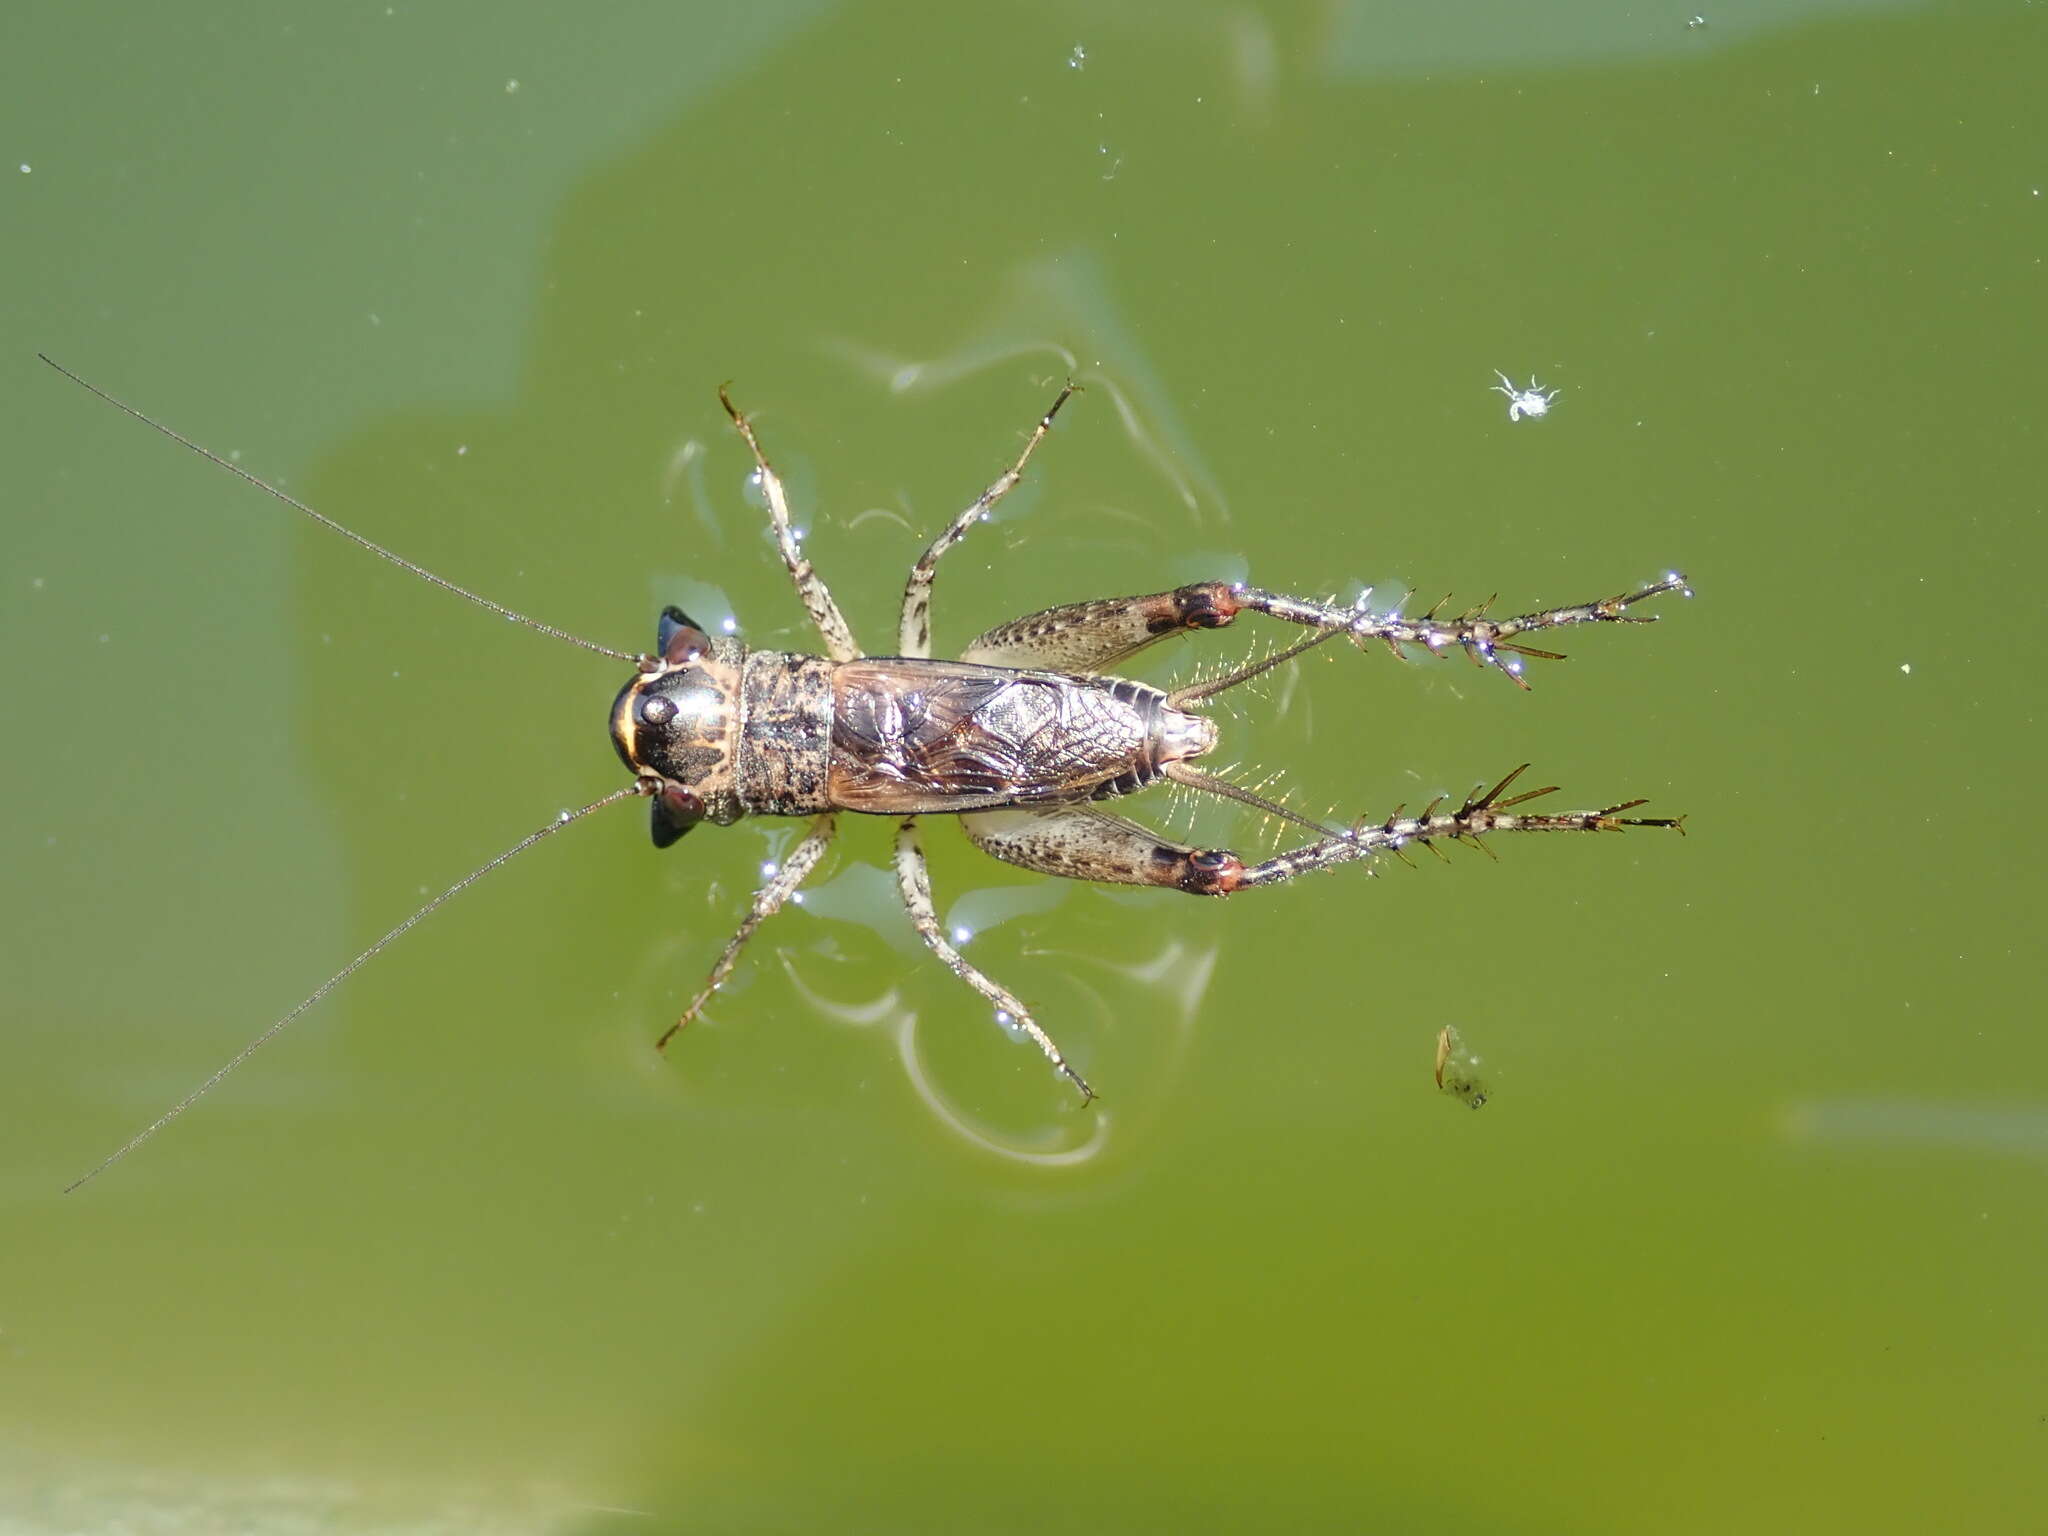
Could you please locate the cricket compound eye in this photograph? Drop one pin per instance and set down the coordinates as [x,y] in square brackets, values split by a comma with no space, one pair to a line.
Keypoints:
[675,811]
[679,638]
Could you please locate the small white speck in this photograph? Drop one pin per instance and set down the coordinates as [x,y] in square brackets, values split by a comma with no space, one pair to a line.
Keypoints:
[26,167]
[1003,1017]
[767,869]
[1078,59]
[797,897]
[1906,667]
[394,672]
[561,817]
[461,450]
[1696,21]
[962,935]
[729,624]
[511,87]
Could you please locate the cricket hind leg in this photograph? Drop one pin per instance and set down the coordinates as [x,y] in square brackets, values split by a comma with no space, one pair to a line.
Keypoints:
[810,586]
[914,629]
[1094,636]
[913,881]
[1082,843]
[768,900]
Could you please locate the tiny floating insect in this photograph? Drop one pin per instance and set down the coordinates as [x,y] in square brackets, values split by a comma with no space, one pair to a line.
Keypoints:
[1457,1068]
[1533,402]
[1021,739]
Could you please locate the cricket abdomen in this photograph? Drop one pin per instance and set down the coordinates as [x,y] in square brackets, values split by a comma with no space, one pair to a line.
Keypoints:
[916,736]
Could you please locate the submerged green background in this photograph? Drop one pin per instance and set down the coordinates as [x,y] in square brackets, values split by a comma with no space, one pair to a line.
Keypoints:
[1751,1236]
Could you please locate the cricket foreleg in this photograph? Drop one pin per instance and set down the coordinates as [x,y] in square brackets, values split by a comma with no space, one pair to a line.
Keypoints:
[913,880]
[914,629]
[1082,843]
[767,902]
[810,587]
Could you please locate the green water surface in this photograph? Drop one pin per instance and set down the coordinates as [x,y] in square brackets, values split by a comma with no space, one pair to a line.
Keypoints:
[1750,1233]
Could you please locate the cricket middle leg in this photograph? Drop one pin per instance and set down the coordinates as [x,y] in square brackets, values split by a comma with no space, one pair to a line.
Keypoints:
[913,880]
[914,629]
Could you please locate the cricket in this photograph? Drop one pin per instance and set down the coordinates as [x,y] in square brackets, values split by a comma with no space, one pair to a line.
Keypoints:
[1022,739]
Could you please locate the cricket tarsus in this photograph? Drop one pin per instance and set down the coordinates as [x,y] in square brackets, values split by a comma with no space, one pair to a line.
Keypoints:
[553,825]
[327,522]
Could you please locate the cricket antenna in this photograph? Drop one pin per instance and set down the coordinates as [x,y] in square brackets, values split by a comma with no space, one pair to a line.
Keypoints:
[327,522]
[638,787]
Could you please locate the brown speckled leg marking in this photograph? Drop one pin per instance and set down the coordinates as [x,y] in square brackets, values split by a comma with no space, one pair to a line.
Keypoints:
[767,902]
[914,631]
[1082,843]
[1095,636]
[913,880]
[817,599]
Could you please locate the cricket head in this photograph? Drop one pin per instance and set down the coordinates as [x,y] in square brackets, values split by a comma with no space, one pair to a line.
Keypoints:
[675,725]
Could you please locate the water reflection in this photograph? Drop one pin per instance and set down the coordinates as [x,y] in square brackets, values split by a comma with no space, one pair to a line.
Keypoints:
[1178,976]
[2013,1130]
[1066,295]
